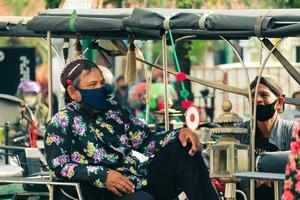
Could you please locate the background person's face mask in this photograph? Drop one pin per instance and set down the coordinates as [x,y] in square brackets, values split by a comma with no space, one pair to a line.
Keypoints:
[95,98]
[30,100]
[265,112]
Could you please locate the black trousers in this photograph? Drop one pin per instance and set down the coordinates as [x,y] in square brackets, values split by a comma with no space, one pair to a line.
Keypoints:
[171,171]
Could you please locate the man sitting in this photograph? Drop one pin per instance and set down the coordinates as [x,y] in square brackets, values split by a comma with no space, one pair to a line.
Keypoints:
[91,141]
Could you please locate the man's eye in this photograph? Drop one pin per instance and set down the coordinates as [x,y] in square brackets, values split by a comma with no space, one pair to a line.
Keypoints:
[91,85]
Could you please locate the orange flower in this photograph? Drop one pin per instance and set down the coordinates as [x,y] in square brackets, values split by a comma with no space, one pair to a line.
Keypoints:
[287,195]
[296,130]
[297,187]
[295,148]
[287,170]
[287,184]
[293,165]
[297,176]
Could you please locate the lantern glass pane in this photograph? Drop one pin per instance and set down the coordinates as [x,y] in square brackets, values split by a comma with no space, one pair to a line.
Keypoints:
[220,161]
[241,160]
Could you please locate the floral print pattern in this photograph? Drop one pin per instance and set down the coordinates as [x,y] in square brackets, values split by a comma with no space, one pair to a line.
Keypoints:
[68,170]
[83,146]
[60,161]
[78,158]
[53,138]
[78,126]
[292,169]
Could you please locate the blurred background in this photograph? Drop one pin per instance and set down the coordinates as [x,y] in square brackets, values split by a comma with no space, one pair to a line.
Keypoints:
[26,58]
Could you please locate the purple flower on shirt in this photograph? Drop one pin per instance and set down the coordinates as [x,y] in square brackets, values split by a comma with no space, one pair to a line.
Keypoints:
[79,126]
[53,138]
[124,139]
[99,155]
[61,160]
[68,170]
[137,122]
[92,169]
[78,158]
[64,123]
[136,143]
[126,127]
[113,115]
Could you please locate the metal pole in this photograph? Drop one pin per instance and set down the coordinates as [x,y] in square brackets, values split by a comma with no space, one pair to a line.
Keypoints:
[207,83]
[230,189]
[253,125]
[276,190]
[6,132]
[79,191]
[165,73]
[51,192]
[50,92]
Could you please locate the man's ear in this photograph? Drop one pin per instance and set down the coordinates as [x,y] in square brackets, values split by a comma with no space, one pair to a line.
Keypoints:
[74,93]
[280,104]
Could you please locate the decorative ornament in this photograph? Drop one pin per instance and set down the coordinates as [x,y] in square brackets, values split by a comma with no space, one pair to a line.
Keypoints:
[69,82]
[180,76]
[186,104]
[184,93]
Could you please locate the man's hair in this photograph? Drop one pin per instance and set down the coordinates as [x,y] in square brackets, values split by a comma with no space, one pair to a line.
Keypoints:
[270,82]
[72,71]
[121,77]
[295,93]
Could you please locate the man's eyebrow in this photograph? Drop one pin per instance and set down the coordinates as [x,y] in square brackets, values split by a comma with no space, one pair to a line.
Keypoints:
[92,82]
[262,92]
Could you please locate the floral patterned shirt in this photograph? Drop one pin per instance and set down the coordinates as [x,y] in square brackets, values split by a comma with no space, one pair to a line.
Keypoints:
[81,146]
[292,169]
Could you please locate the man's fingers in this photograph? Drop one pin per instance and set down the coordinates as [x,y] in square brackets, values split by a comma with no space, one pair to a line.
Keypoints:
[191,152]
[128,182]
[257,183]
[121,187]
[183,140]
[125,187]
[195,145]
[116,191]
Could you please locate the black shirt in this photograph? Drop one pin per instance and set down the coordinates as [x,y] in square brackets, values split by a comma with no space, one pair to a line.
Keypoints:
[262,144]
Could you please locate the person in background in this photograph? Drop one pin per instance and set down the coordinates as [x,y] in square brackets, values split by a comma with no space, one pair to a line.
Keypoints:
[294,114]
[30,93]
[92,140]
[272,132]
[121,93]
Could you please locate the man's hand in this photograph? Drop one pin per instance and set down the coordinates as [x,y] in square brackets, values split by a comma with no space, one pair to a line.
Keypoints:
[118,184]
[263,182]
[187,135]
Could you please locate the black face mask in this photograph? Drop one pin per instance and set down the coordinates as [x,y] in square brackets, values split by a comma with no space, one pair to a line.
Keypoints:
[265,112]
[125,87]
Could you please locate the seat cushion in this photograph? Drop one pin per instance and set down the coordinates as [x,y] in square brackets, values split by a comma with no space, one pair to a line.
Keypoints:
[10,171]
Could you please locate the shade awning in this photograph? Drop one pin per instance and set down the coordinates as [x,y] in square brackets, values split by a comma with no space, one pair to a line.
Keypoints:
[151,23]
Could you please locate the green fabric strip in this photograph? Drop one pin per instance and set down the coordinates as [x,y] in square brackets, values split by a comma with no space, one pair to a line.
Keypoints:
[184,92]
[72,21]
